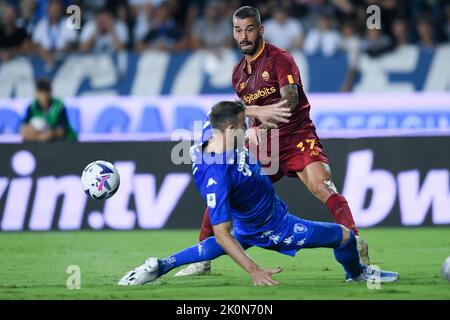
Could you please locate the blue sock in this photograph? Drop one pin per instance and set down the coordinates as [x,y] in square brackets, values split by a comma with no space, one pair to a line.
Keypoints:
[347,255]
[208,249]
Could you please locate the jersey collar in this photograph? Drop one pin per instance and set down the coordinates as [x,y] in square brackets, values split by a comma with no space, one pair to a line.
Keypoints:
[226,157]
[256,56]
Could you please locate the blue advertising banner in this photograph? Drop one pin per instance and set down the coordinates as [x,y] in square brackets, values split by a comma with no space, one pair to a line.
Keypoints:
[154,73]
[169,118]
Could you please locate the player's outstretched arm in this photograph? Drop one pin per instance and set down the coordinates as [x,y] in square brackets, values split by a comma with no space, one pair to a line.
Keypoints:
[270,115]
[260,277]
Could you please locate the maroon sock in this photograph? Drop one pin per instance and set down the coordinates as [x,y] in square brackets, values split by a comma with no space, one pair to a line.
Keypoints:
[341,212]
[206,230]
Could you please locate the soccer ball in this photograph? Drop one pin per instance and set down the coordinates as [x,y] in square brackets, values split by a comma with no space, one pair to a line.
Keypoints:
[100,180]
[445,270]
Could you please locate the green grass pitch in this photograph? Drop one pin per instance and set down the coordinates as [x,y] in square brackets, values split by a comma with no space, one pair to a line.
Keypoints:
[33,266]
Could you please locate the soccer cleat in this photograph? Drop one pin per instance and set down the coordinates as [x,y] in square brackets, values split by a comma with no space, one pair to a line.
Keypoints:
[141,275]
[195,269]
[375,275]
[363,250]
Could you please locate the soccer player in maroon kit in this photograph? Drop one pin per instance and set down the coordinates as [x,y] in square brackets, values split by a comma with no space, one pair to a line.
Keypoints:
[266,75]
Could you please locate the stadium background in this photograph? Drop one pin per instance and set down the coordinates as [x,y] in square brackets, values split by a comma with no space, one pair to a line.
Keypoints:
[379,99]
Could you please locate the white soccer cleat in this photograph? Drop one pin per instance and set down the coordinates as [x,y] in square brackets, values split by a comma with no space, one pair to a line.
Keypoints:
[195,269]
[363,250]
[375,275]
[141,275]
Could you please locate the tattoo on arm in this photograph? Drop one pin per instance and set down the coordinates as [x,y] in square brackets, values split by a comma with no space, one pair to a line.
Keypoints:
[290,93]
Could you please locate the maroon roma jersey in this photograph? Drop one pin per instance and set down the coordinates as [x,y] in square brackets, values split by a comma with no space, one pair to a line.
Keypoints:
[272,68]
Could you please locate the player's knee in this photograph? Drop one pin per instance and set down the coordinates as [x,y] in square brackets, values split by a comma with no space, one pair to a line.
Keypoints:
[323,189]
[345,235]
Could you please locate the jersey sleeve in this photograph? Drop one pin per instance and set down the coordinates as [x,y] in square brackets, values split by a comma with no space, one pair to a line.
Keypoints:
[286,70]
[216,190]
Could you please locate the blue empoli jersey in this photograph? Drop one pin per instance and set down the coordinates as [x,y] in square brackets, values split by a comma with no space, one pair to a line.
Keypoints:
[235,190]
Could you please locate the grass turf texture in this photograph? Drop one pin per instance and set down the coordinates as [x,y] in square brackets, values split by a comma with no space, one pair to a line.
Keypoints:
[33,266]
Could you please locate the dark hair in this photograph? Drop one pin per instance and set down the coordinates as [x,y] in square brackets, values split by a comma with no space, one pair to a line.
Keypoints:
[248,12]
[44,85]
[225,113]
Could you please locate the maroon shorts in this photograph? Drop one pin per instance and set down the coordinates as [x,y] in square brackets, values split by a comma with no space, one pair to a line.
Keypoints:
[294,153]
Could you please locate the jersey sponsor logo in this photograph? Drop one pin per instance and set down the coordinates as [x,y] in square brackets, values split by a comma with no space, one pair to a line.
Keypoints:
[211,181]
[265,75]
[243,165]
[300,228]
[211,200]
[249,98]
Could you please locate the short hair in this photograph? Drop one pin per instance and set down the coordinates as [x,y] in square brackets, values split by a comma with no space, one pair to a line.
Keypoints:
[248,12]
[44,84]
[225,113]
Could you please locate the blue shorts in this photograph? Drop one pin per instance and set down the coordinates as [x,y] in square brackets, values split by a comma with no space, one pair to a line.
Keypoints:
[293,234]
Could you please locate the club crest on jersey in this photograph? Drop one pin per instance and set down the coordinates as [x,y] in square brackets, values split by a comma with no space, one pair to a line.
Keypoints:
[265,75]
[242,85]
[300,228]
[211,200]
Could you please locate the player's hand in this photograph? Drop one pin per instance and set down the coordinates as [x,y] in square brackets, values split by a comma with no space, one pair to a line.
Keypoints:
[273,114]
[263,277]
[45,136]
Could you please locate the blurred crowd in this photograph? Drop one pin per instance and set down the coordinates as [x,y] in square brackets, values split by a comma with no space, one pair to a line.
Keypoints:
[314,26]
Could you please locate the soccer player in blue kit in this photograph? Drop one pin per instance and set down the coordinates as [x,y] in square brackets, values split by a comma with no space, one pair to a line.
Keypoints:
[245,211]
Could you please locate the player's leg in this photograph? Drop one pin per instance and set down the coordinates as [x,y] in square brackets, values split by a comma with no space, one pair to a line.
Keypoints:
[203,267]
[317,178]
[205,250]
[343,241]
[154,268]
[206,229]
[332,235]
